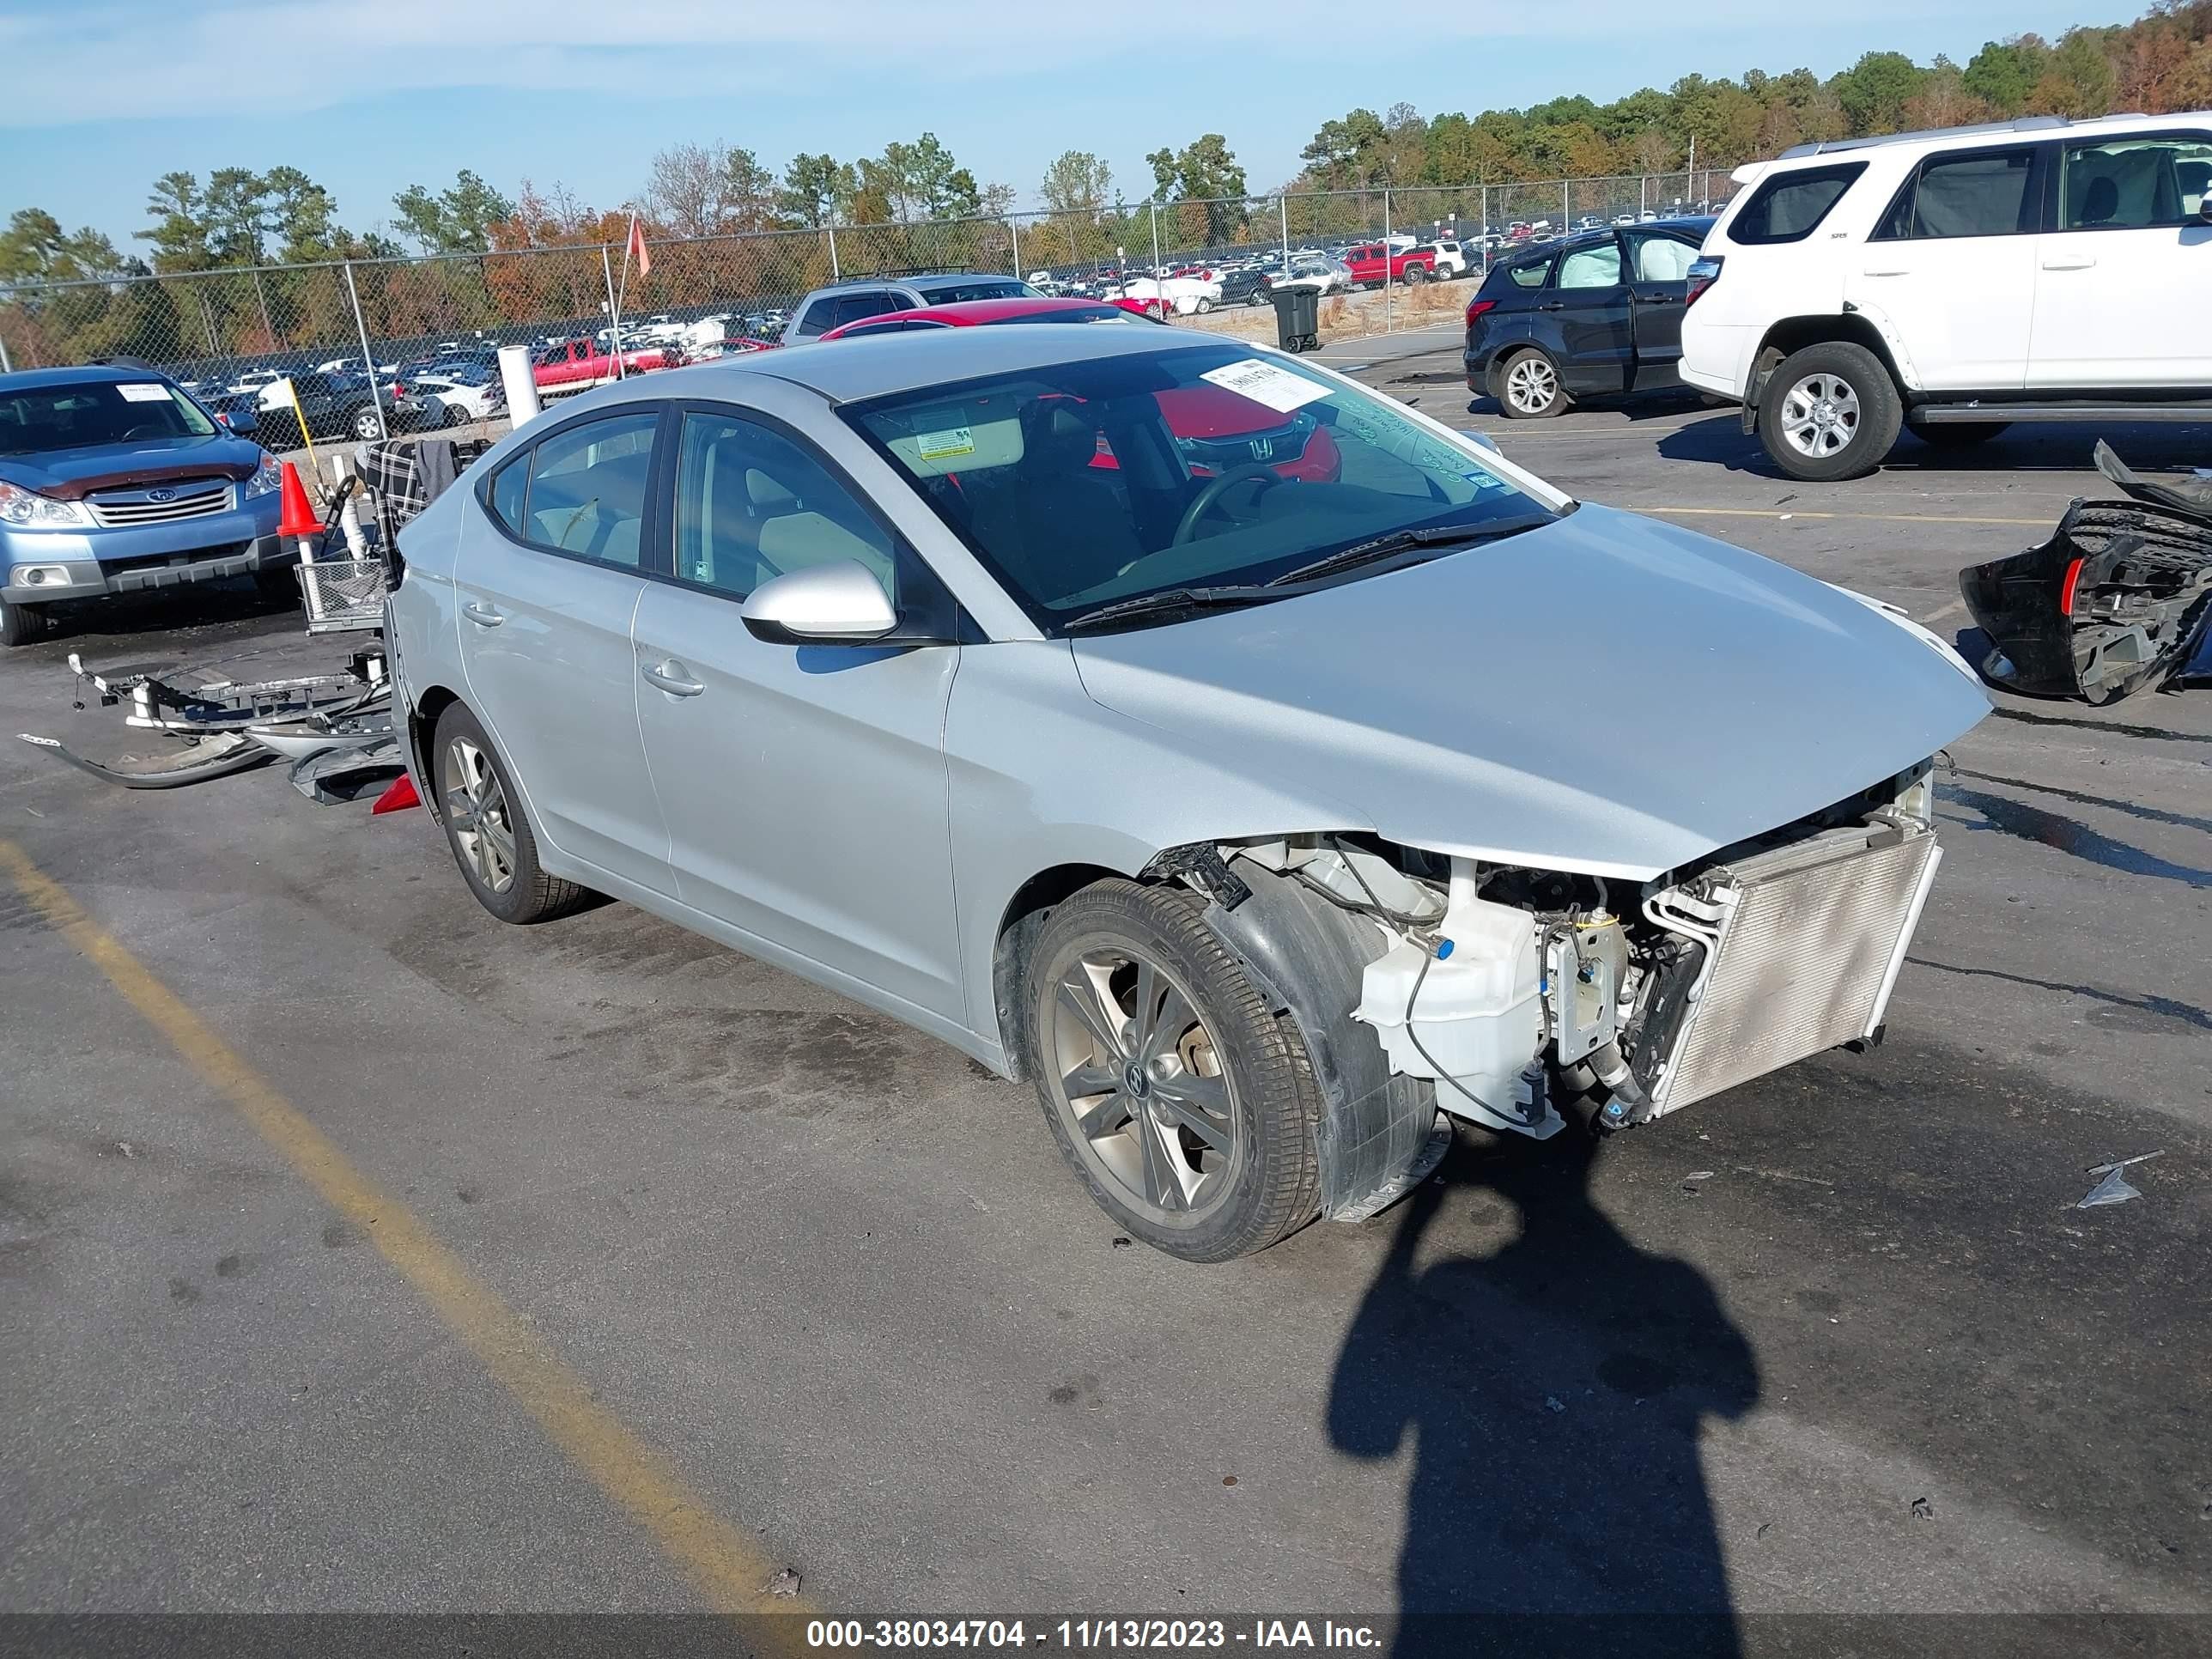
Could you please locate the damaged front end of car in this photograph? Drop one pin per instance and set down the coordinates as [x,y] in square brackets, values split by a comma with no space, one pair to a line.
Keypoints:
[1516,998]
[2115,602]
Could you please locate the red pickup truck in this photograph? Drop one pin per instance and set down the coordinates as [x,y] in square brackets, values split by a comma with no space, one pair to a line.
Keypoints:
[572,365]
[1371,268]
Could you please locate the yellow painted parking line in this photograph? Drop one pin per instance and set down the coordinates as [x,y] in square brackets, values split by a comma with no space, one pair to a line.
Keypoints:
[725,1563]
[1871,518]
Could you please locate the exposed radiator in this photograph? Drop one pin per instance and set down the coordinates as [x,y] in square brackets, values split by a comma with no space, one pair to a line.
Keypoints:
[1810,946]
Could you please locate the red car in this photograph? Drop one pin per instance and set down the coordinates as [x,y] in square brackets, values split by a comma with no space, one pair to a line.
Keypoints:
[1373,264]
[1216,429]
[570,363]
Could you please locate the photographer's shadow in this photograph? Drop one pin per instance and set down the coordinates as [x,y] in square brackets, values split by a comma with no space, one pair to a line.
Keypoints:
[1553,1391]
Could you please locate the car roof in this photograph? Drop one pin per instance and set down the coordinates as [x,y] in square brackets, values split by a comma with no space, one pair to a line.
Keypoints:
[934,356]
[966,313]
[1699,223]
[33,379]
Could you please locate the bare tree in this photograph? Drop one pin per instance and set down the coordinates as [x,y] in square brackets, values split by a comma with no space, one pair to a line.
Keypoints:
[709,190]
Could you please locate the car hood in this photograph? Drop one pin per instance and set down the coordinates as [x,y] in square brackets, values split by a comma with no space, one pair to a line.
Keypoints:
[1606,694]
[72,473]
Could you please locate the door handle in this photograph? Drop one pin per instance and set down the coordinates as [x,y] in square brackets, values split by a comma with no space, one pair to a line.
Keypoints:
[1886,270]
[671,677]
[1658,300]
[2071,262]
[482,614]
[1553,304]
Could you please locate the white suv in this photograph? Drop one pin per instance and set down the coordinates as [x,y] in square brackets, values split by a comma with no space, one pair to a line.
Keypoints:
[1960,281]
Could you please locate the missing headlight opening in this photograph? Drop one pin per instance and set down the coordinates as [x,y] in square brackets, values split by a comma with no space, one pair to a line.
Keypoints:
[1521,997]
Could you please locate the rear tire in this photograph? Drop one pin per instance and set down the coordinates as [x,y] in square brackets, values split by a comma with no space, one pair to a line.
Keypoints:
[487,828]
[1187,1108]
[22,624]
[1415,276]
[1530,387]
[1829,413]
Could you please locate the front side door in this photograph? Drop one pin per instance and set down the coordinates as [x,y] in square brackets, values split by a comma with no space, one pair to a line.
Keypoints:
[548,578]
[2121,280]
[1588,311]
[1950,267]
[803,785]
[1659,289]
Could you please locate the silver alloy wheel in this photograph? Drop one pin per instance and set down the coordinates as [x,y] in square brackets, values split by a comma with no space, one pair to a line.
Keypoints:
[476,808]
[1141,1084]
[364,424]
[1531,383]
[1821,415]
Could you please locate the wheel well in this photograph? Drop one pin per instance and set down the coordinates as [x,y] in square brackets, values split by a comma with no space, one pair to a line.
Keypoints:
[422,725]
[1024,914]
[1796,333]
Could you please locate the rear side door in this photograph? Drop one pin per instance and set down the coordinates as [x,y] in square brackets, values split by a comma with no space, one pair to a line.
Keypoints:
[1950,266]
[548,578]
[1658,288]
[2122,278]
[803,785]
[1587,313]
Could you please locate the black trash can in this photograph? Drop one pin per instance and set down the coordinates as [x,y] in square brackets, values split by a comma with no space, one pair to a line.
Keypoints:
[1297,318]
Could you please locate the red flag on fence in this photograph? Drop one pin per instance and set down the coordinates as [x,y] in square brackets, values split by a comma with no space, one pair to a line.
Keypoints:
[636,252]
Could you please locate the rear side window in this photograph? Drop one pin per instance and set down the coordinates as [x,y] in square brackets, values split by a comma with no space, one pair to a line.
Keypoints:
[588,489]
[1789,207]
[1530,276]
[508,490]
[1592,267]
[2135,184]
[1983,192]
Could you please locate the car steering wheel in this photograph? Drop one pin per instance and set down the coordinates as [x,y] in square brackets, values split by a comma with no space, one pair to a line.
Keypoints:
[1251,471]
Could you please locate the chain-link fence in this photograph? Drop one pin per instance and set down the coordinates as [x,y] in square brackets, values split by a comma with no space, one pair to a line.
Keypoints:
[437,320]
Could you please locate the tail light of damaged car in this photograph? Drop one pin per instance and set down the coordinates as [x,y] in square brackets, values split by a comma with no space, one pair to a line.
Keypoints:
[1283,810]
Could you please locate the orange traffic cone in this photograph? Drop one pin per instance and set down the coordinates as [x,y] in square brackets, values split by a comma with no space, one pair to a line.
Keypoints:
[299,518]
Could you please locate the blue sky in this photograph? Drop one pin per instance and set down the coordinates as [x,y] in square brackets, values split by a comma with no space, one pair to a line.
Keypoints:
[368,96]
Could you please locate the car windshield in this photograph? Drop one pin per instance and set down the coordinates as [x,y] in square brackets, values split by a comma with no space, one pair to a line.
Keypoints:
[91,413]
[1087,483]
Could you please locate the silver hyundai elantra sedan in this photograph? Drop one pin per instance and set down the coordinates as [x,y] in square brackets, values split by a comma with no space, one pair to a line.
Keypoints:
[1256,766]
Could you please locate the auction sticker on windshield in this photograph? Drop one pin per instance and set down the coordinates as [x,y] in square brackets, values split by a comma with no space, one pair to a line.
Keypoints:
[143,393]
[942,446]
[1264,383]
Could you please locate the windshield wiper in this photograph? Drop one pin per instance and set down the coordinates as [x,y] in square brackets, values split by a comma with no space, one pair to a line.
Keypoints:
[1172,599]
[1403,541]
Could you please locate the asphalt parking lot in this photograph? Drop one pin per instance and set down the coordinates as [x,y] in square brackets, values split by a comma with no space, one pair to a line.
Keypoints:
[359,1254]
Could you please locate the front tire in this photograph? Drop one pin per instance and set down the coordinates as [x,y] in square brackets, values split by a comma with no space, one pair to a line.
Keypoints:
[364,425]
[22,624]
[1530,387]
[1185,1107]
[1829,413]
[487,828]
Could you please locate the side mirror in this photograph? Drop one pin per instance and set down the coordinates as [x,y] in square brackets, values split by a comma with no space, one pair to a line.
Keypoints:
[839,603]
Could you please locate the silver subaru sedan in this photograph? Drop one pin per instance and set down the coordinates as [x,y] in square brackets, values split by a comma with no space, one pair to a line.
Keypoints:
[1258,768]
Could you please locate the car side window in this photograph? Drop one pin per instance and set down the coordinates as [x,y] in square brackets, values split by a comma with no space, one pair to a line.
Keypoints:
[2134,184]
[851,308]
[1790,206]
[588,489]
[751,504]
[1592,267]
[1661,259]
[1530,276]
[1982,192]
[814,320]
[508,487]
